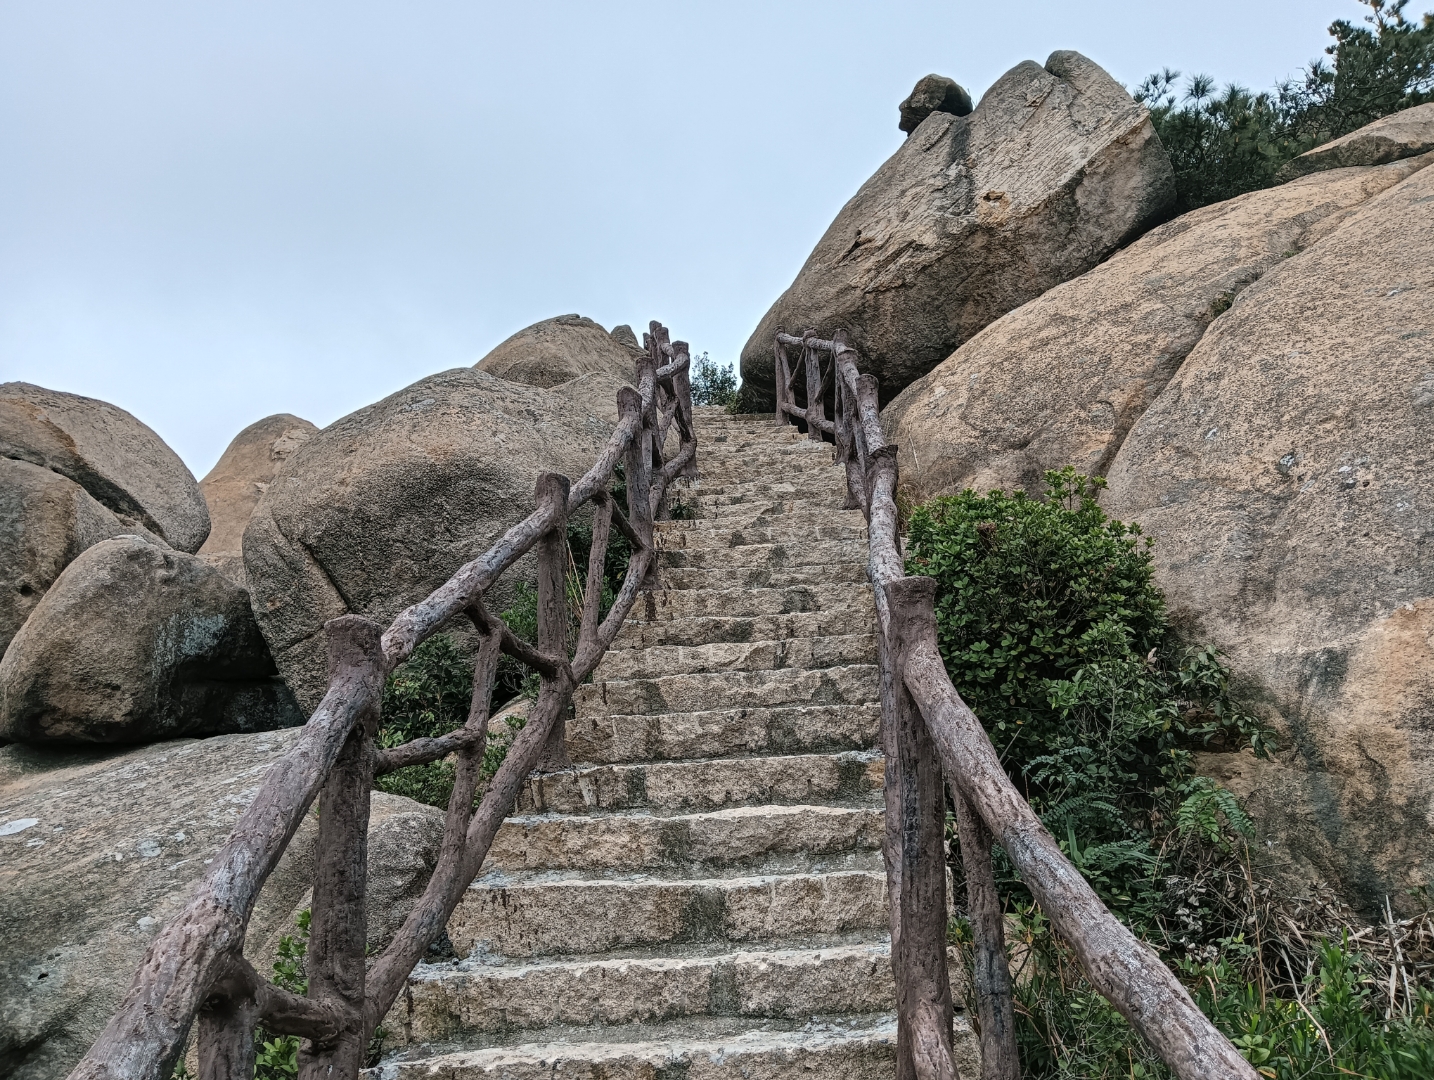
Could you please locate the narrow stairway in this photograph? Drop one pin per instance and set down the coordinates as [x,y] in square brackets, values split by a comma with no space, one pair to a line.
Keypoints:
[702,896]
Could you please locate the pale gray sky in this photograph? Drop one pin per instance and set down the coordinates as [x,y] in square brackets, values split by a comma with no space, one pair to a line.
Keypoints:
[210,212]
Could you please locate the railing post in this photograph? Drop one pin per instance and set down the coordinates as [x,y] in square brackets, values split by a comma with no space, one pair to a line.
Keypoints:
[552,550]
[816,408]
[1000,1057]
[338,934]
[226,1038]
[779,377]
[915,835]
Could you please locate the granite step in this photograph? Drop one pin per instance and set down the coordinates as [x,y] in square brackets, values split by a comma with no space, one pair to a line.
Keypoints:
[705,784]
[536,915]
[713,629]
[763,577]
[791,729]
[852,684]
[804,653]
[810,553]
[674,605]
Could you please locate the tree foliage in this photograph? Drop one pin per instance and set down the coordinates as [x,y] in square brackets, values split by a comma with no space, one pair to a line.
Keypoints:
[1225,143]
[713,383]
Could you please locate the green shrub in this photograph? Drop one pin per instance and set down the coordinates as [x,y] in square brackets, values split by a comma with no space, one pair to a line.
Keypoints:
[276,1057]
[1053,631]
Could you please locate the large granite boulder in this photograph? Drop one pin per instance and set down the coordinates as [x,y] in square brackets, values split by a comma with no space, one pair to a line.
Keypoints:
[100,849]
[242,474]
[124,465]
[556,350]
[46,520]
[933,93]
[1400,135]
[973,216]
[1284,474]
[1061,380]
[135,643]
[378,509]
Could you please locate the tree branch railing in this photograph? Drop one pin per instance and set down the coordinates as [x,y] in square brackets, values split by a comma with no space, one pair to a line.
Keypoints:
[195,967]
[930,736]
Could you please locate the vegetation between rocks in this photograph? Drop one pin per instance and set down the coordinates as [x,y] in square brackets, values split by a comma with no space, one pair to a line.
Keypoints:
[1223,144]
[1053,630]
[713,383]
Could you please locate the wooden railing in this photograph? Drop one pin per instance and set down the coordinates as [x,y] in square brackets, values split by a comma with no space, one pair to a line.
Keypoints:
[929,735]
[195,968]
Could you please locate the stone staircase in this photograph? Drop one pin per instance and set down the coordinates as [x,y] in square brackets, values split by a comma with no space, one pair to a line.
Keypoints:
[702,895]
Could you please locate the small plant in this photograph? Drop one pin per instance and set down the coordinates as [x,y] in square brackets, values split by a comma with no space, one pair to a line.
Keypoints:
[713,383]
[276,1057]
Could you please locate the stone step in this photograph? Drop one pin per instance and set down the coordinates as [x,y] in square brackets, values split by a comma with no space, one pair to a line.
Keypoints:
[703,534]
[812,484]
[635,841]
[713,629]
[709,784]
[525,918]
[623,738]
[802,653]
[824,1048]
[766,512]
[671,605]
[763,577]
[446,1002]
[853,684]
[811,553]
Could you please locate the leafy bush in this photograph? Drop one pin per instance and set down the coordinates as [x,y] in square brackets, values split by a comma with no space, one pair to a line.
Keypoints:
[1223,144]
[276,1057]
[1053,631]
[713,383]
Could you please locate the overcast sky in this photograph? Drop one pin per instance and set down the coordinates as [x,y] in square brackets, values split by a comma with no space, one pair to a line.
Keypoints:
[210,212]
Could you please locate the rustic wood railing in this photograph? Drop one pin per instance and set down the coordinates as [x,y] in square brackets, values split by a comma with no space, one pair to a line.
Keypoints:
[929,734]
[195,968]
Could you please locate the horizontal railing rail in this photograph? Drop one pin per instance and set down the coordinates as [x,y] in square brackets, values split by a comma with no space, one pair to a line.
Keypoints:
[929,735]
[195,967]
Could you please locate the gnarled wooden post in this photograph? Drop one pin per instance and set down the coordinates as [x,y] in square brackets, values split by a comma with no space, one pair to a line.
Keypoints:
[915,843]
[995,1010]
[816,408]
[781,373]
[338,934]
[552,551]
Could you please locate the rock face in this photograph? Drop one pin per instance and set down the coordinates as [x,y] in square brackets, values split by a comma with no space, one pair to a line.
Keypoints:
[123,465]
[934,93]
[380,508]
[1402,135]
[1284,473]
[972,217]
[99,849]
[135,643]
[1061,380]
[556,350]
[46,520]
[242,474]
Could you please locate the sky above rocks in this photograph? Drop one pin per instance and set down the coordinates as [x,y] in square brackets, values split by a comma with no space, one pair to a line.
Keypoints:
[214,212]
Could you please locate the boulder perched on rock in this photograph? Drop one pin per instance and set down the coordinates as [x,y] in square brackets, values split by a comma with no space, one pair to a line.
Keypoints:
[242,474]
[123,465]
[380,508]
[972,217]
[1392,138]
[99,849]
[1060,380]
[137,643]
[1284,474]
[46,520]
[556,350]
[933,93]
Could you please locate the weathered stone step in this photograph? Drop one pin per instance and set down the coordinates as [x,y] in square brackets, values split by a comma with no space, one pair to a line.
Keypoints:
[853,684]
[800,653]
[629,737]
[668,605]
[779,512]
[704,534]
[444,1003]
[710,629]
[709,784]
[811,553]
[823,1048]
[584,916]
[634,841]
[763,577]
